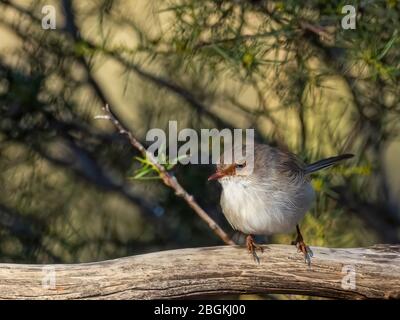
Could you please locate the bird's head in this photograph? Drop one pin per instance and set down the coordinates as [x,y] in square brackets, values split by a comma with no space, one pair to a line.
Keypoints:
[241,166]
[229,170]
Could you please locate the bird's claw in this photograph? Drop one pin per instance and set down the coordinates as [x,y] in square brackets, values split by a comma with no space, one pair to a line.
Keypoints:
[302,247]
[306,250]
[252,247]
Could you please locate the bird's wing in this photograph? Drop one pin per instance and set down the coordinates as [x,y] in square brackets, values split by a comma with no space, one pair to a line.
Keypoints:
[282,162]
[288,164]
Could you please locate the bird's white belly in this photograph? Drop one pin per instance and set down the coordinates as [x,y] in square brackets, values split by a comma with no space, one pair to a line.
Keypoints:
[259,210]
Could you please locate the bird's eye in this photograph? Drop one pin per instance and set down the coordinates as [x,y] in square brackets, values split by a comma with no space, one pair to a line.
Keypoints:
[240,165]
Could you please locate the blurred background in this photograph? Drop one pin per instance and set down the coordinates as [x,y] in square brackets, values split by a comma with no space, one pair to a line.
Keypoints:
[285,68]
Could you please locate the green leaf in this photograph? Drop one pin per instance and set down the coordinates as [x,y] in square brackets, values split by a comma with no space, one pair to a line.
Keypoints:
[388,45]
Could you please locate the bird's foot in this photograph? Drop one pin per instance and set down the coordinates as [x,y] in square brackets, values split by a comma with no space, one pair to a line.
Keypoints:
[302,247]
[252,248]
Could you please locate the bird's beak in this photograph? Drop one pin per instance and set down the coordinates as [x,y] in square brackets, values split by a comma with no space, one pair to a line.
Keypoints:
[222,173]
[216,175]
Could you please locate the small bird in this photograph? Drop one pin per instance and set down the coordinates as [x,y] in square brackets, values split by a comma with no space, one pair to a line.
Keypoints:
[271,196]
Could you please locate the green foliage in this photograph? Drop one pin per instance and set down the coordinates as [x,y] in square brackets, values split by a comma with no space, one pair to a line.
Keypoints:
[149,171]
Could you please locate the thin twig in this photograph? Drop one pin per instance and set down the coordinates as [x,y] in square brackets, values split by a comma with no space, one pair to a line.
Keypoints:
[318,30]
[168,179]
[243,37]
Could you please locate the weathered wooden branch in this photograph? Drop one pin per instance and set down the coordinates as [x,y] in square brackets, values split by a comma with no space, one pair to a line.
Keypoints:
[212,271]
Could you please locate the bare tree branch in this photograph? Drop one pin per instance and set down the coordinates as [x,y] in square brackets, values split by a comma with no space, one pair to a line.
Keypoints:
[168,179]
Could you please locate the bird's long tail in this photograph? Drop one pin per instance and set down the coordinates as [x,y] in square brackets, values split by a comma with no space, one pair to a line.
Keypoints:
[326,163]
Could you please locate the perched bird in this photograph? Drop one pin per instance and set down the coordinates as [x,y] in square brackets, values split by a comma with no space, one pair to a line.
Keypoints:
[269,197]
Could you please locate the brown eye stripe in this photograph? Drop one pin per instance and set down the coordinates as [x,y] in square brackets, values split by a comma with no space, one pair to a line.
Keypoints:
[230,170]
